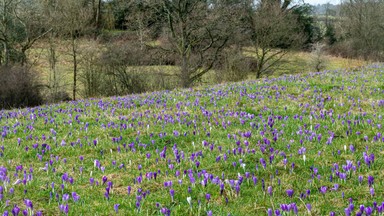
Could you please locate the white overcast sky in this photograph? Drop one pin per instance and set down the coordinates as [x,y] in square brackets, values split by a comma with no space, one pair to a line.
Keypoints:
[315,2]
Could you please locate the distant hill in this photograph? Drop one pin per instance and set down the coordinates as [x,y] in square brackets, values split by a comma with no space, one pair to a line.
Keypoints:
[321,9]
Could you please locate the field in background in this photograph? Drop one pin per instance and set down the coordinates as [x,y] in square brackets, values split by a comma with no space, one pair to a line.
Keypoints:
[294,62]
[298,62]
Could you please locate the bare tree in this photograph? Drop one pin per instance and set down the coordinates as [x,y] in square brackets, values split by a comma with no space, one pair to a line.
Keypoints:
[20,27]
[96,16]
[139,20]
[195,34]
[49,10]
[73,21]
[364,27]
[273,31]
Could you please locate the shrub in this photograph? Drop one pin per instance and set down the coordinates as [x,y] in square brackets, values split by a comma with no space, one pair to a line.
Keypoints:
[18,88]
[58,96]
[234,66]
[318,59]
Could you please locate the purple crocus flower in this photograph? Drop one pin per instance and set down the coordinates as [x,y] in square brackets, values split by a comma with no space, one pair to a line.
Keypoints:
[335,187]
[65,197]
[28,203]
[347,212]
[352,148]
[66,209]
[254,179]
[129,188]
[309,207]
[105,178]
[71,180]
[360,179]
[75,197]
[139,198]
[208,197]
[277,212]
[368,211]
[176,133]
[370,180]
[15,210]
[262,161]
[323,189]
[372,191]
[172,193]
[285,207]
[270,190]
[290,192]
[116,207]
[237,188]
[294,208]
[110,184]
[165,211]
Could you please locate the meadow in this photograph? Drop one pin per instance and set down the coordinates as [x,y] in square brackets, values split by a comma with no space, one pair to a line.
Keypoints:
[302,144]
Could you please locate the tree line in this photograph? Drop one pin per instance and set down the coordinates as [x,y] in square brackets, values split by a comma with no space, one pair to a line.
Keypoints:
[233,38]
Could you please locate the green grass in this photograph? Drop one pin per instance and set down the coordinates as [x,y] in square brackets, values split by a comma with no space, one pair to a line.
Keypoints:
[300,106]
[300,62]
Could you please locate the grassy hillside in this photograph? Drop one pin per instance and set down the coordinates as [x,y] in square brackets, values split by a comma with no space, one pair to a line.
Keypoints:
[307,144]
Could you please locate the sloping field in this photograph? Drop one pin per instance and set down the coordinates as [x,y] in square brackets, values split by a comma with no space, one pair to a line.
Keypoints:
[306,144]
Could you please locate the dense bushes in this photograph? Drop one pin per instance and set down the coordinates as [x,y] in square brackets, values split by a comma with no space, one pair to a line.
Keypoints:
[233,65]
[18,88]
[125,68]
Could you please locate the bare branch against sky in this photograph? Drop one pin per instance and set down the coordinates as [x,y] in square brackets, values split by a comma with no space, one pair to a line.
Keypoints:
[315,2]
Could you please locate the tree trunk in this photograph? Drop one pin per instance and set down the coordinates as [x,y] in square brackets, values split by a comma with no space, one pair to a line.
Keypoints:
[52,63]
[23,56]
[98,18]
[6,54]
[5,39]
[260,63]
[185,76]
[141,33]
[184,72]
[74,55]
